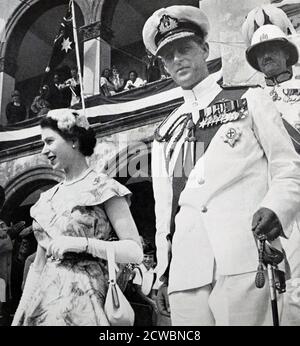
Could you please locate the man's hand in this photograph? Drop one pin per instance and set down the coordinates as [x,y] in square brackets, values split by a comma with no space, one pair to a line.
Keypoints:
[266,225]
[162,301]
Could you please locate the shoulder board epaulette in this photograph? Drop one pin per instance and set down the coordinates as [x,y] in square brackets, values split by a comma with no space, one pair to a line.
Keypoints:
[167,127]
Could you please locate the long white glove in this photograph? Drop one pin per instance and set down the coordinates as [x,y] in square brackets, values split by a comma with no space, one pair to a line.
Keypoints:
[31,284]
[126,251]
[63,244]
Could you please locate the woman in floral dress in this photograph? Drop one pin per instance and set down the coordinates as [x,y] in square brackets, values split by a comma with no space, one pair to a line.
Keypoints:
[73,222]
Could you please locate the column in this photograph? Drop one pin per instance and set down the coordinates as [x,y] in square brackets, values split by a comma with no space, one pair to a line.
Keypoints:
[7,85]
[97,56]
[225,39]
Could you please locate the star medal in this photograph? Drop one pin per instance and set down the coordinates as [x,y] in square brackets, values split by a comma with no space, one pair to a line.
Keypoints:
[232,136]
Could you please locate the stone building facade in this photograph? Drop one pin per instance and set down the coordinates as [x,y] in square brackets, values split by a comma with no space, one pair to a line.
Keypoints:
[109,34]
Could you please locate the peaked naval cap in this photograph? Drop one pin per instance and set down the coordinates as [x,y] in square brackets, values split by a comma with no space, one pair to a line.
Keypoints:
[173,23]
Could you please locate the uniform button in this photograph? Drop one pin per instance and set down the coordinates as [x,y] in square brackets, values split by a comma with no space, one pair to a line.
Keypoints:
[201,181]
[203,209]
[195,104]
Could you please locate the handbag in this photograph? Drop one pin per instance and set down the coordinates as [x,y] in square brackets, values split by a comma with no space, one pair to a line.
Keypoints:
[117,308]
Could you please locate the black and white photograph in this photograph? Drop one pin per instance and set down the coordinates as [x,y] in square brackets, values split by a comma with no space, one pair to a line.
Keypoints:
[149,166]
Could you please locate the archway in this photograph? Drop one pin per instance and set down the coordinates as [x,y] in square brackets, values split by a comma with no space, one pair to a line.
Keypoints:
[132,168]
[24,190]
[126,19]
[30,34]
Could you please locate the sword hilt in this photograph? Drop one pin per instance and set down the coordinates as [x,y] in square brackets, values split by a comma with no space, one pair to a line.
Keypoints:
[260,275]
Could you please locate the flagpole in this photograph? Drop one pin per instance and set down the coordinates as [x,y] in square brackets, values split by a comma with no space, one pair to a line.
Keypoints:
[77,55]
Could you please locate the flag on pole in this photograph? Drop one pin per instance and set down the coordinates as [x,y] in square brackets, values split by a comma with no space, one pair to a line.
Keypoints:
[63,42]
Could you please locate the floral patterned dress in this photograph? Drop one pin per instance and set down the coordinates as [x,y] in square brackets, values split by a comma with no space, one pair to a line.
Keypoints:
[72,291]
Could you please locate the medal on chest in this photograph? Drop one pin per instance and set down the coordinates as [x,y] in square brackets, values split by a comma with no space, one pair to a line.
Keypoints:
[274,95]
[232,136]
[291,95]
[223,112]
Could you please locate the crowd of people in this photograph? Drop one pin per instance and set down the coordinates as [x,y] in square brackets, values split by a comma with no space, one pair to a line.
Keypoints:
[226,210]
[16,244]
[59,93]
[54,94]
[111,82]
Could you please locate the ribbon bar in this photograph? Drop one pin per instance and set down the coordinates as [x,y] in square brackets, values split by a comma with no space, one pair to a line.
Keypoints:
[223,112]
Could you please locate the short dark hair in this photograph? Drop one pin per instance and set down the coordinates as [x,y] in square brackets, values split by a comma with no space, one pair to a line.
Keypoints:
[198,39]
[104,70]
[86,137]
[133,71]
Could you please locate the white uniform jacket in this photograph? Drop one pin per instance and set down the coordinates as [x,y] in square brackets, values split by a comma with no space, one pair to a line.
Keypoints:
[286,98]
[225,188]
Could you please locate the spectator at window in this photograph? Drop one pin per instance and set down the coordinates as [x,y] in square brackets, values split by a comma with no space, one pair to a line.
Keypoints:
[154,68]
[15,110]
[73,86]
[117,81]
[57,96]
[134,81]
[106,87]
[40,104]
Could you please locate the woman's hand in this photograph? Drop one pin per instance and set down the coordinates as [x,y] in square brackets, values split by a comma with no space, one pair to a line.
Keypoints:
[60,245]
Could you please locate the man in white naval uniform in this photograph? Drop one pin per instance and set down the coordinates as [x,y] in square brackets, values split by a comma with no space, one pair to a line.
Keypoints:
[210,167]
[272,54]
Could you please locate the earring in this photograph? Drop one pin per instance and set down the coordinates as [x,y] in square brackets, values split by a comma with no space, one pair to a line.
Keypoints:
[73,146]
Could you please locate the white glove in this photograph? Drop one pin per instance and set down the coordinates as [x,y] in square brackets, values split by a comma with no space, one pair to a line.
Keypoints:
[31,284]
[63,244]
[126,251]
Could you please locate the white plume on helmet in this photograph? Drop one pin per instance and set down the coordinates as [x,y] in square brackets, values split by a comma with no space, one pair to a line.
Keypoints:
[262,15]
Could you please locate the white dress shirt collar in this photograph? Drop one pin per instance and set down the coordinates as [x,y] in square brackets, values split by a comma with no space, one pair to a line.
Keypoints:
[204,88]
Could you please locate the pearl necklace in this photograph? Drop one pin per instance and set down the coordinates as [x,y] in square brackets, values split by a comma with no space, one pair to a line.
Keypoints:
[81,177]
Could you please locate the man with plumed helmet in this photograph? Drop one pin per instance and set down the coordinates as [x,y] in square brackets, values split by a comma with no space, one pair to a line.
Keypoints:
[210,163]
[272,53]
[263,15]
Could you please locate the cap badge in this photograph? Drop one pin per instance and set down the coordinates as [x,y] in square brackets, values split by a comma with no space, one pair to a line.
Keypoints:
[263,37]
[167,23]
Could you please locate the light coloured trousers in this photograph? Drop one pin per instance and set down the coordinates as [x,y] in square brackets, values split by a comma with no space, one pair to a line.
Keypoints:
[292,296]
[231,301]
